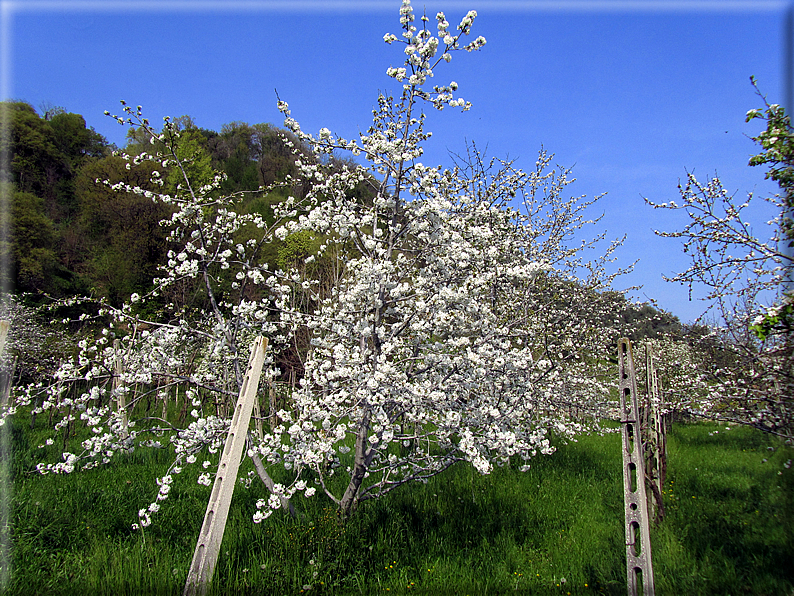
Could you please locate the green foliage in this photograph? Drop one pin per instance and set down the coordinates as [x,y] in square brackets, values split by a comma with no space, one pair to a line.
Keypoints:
[775,325]
[77,145]
[121,241]
[647,321]
[233,151]
[196,163]
[46,154]
[74,140]
[252,156]
[33,243]
[35,159]
[777,142]
[295,249]
[777,320]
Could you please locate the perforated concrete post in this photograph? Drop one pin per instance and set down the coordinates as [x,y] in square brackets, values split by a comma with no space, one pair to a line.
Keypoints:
[4,326]
[657,430]
[662,420]
[639,571]
[652,440]
[209,541]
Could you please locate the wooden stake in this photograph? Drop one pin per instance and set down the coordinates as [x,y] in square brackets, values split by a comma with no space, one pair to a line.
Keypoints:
[209,541]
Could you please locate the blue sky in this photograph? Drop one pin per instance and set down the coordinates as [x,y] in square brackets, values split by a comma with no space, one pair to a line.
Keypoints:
[631,94]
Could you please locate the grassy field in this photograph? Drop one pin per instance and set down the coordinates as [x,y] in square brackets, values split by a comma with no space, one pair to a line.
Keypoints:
[557,529]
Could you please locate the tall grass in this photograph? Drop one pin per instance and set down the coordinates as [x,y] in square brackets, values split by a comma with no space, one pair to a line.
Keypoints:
[730,514]
[556,529]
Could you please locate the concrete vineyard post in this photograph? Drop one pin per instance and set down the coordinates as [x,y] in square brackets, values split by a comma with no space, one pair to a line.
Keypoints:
[655,453]
[209,541]
[639,571]
[4,325]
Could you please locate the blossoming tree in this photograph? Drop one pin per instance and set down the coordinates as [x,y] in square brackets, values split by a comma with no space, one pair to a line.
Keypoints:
[454,325]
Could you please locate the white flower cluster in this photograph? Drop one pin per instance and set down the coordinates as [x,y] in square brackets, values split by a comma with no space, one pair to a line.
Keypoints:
[430,340]
[266,507]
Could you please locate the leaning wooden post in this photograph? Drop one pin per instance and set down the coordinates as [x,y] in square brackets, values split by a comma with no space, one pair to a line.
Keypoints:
[209,541]
[638,540]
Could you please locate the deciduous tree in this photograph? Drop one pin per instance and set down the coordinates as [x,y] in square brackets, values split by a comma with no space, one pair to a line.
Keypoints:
[748,279]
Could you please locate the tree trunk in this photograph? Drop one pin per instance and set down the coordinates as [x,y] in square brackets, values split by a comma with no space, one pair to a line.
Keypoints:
[286,504]
[349,502]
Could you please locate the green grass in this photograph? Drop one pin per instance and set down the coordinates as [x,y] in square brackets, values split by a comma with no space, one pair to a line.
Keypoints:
[729,524]
[556,529]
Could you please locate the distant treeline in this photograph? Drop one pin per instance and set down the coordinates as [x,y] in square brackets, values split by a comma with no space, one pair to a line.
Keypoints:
[73,235]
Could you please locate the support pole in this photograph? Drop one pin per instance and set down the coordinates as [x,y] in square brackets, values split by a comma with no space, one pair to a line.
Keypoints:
[209,541]
[6,390]
[4,326]
[639,571]
[662,422]
[271,415]
[258,419]
[121,396]
[653,440]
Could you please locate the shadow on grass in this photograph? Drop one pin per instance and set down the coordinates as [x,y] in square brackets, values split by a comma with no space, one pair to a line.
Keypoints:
[704,434]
